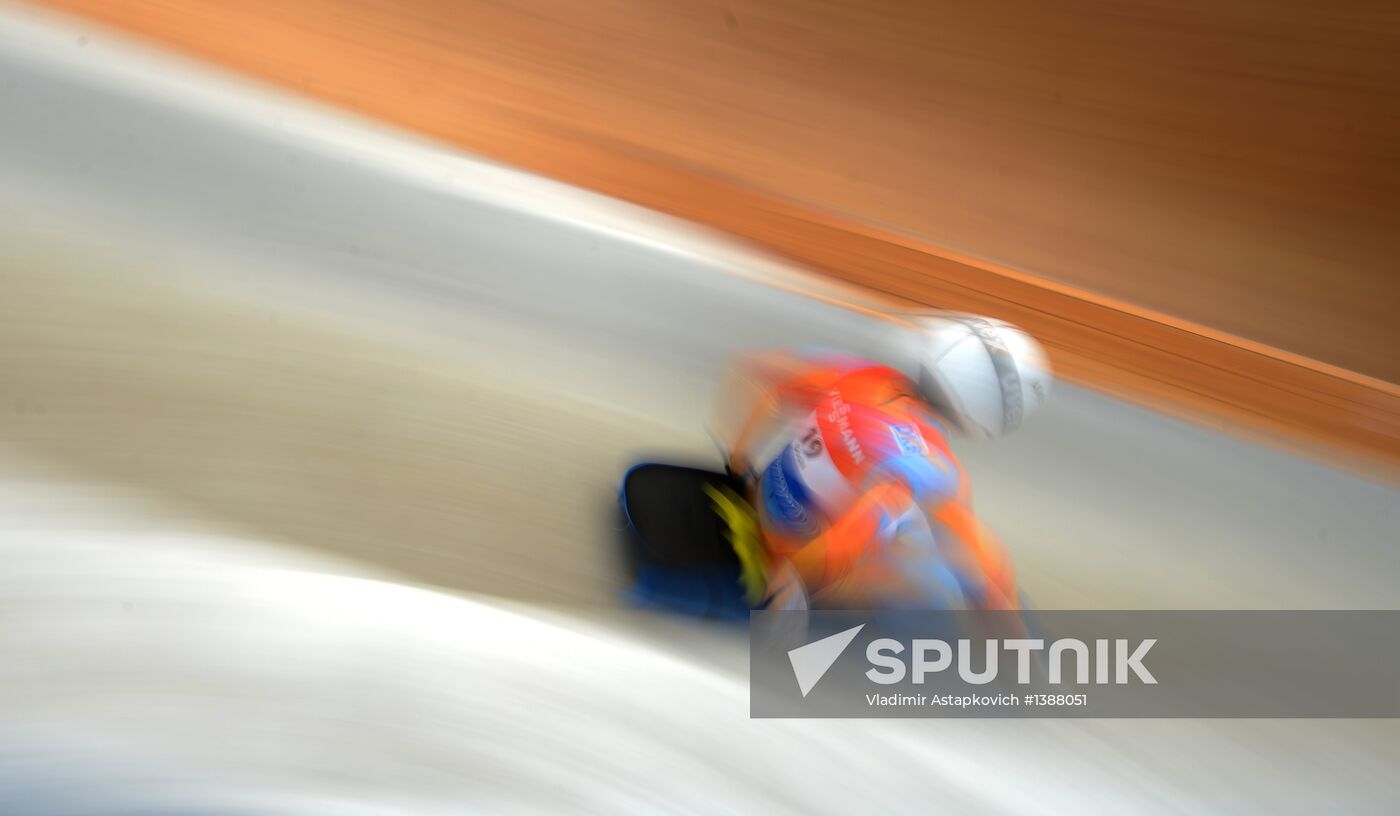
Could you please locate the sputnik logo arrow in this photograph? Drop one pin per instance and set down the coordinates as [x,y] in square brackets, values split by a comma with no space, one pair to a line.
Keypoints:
[811,662]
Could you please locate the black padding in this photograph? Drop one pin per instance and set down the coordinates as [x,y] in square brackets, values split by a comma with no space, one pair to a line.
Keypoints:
[674,517]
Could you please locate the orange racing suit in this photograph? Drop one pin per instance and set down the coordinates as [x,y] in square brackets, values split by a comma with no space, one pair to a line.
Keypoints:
[863,499]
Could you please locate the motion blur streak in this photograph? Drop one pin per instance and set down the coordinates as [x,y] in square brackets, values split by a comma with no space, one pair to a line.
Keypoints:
[309,437]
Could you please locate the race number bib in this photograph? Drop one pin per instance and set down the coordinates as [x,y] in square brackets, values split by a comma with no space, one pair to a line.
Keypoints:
[802,486]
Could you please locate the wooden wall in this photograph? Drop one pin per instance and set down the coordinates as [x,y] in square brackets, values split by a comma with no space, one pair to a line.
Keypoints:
[1193,201]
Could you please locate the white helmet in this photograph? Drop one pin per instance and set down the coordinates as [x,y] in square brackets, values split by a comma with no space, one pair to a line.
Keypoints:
[984,376]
